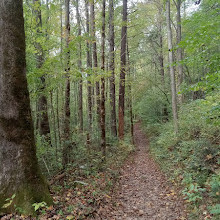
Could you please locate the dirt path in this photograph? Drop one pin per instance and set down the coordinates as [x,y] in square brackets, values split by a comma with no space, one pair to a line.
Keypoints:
[145,193]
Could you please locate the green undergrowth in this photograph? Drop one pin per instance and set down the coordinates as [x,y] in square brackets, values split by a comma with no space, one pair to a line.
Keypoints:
[89,180]
[192,158]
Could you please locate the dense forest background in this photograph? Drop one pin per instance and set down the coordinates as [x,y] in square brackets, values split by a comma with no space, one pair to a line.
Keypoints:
[95,68]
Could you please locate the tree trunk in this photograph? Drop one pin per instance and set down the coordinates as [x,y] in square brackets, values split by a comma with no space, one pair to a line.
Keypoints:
[89,66]
[172,72]
[95,59]
[130,97]
[44,128]
[19,172]
[112,67]
[161,61]
[54,122]
[122,72]
[61,32]
[57,114]
[102,106]
[179,51]
[80,68]
[67,90]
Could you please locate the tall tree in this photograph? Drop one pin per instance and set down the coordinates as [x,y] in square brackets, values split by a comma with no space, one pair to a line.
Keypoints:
[121,102]
[43,121]
[112,67]
[19,172]
[102,103]
[161,58]
[80,67]
[130,101]
[171,67]
[89,66]
[95,58]
[67,89]
[179,49]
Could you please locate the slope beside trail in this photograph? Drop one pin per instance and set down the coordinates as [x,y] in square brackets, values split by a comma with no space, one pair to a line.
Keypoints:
[144,192]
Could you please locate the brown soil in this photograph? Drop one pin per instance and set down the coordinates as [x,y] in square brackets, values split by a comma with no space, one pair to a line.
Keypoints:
[145,193]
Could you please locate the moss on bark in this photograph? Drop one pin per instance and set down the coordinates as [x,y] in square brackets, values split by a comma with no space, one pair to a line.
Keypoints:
[25,196]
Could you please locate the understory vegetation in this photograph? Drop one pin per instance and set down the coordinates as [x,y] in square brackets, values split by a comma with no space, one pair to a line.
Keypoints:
[191,156]
[191,159]
[75,76]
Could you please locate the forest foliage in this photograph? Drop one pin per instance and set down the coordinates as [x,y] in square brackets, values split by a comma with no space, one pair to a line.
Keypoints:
[94,68]
[192,157]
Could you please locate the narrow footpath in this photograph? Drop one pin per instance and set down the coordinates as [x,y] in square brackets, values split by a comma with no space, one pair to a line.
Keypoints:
[144,192]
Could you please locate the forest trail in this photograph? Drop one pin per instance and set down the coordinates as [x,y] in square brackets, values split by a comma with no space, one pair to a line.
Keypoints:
[144,191]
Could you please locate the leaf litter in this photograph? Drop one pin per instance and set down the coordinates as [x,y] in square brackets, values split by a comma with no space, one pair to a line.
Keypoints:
[141,192]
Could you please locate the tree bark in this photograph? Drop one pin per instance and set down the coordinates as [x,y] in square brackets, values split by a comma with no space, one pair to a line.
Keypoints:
[172,71]
[95,58]
[122,72]
[161,62]
[54,122]
[89,66]
[67,89]
[102,104]
[44,128]
[179,51]
[80,68]
[130,97]
[19,172]
[112,67]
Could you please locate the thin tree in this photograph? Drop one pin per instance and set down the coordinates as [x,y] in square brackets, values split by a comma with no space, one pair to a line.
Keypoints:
[102,104]
[42,115]
[19,172]
[89,66]
[95,58]
[179,50]
[80,67]
[161,59]
[112,67]
[171,67]
[67,89]
[121,102]
[130,96]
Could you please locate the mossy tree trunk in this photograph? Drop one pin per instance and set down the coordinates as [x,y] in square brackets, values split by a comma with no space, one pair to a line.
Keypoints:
[19,172]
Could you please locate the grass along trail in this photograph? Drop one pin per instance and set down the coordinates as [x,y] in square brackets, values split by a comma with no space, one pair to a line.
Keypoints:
[144,192]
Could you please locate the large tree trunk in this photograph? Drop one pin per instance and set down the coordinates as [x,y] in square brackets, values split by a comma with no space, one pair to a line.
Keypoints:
[121,102]
[102,104]
[179,51]
[67,91]
[43,126]
[172,72]
[112,67]
[19,172]
[95,58]
[80,68]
